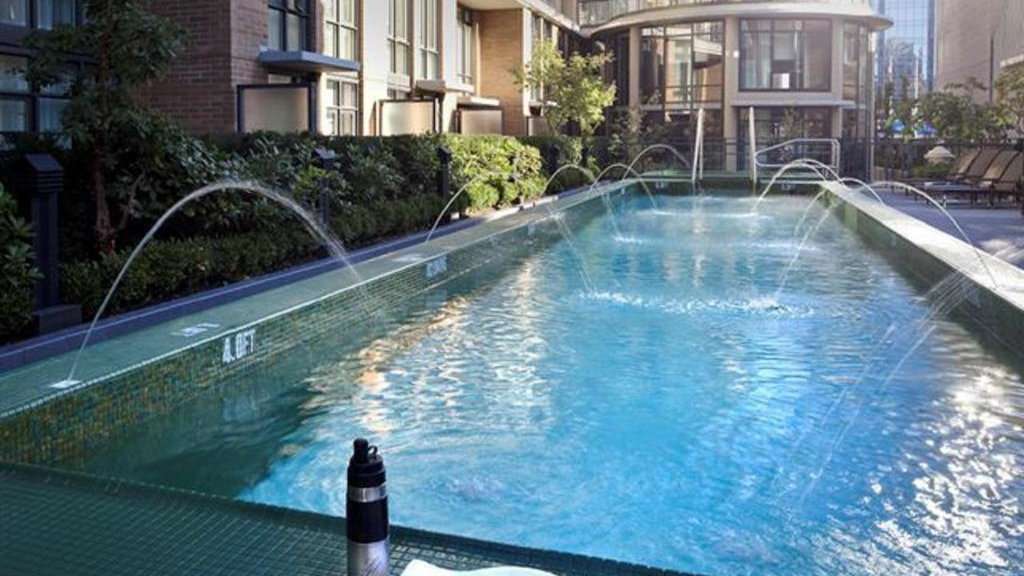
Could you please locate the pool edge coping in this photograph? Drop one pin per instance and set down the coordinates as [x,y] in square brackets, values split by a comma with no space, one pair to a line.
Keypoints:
[440,246]
[986,303]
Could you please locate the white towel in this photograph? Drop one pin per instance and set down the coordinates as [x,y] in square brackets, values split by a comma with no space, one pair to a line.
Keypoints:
[421,568]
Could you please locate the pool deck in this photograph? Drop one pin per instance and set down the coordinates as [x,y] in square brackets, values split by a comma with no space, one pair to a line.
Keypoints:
[998,231]
[66,524]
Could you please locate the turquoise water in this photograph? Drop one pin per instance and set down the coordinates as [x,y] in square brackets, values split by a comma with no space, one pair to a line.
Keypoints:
[679,414]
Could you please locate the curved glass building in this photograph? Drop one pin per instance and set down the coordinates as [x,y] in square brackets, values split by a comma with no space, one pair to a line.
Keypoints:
[804,66]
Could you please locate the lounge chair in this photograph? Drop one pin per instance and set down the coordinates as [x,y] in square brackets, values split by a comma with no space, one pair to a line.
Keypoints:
[987,168]
[959,171]
[1002,177]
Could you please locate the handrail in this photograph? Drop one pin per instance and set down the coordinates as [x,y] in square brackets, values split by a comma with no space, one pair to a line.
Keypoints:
[835,152]
[698,151]
[752,134]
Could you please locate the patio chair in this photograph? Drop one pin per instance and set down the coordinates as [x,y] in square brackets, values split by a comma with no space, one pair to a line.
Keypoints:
[958,172]
[988,167]
[1002,178]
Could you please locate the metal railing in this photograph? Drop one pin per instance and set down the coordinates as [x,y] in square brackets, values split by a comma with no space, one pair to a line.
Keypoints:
[828,151]
[596,12]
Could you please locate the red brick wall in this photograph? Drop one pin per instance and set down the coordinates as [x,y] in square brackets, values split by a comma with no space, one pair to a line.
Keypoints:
[197,92]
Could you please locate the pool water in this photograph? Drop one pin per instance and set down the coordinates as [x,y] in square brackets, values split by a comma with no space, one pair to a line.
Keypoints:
[678,413]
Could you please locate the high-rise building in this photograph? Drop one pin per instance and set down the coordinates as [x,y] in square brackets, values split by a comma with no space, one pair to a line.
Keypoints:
[978,39]
[379,67]
[906,51]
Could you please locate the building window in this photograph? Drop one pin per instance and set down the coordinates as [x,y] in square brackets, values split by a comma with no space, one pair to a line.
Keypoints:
[430,57]
[48,14]
[15,97]
[340,29]
[342,107]
[542,32]
[682,65]
[23,109]
[14,12]
[286,24]
[398,36]
[787,55]
[465,48]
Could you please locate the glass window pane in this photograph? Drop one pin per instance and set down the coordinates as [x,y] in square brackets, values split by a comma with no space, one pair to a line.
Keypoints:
[349,91]
[817,57]
[348,12]
[275,30]
[295,33]
[51,112]
[14,12]
[331,39]
[53,13]
[12,74]
[331,93]
[331,10]
[347,44]
[13,115]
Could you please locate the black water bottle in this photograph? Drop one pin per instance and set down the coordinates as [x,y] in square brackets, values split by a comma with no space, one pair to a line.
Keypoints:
[366,512]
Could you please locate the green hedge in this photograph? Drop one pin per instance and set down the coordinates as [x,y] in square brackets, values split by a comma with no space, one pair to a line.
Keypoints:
[496,171]
[172,268]
[558,151]
[17,275]
[379,187]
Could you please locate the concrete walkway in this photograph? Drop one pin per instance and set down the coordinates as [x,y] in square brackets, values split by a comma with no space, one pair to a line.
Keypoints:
[998,231]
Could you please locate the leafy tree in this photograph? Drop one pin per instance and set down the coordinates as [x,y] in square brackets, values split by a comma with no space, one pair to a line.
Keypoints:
[17,274]
[1010,90]
[124,47]
[956,115]
[574,88]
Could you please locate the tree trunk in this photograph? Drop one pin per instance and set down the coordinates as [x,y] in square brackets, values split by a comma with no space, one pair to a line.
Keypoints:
[104,231]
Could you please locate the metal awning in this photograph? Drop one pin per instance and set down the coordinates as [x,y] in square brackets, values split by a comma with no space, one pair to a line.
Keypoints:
[304,61]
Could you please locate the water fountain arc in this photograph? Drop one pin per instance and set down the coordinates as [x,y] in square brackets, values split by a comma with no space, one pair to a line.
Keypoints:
[461,190]
[682,159]
[328,240]
[959,229]
[627,171]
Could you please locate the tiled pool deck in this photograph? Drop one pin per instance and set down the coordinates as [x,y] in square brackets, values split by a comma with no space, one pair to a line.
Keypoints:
[996,230]
[62,524]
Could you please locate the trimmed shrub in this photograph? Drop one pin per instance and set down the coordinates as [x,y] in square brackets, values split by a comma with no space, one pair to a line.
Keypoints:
[169,269]
[17,275]
[498,171]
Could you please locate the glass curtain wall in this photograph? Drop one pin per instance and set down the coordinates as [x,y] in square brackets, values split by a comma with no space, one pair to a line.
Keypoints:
[856,81]
[786,55]
[682,66]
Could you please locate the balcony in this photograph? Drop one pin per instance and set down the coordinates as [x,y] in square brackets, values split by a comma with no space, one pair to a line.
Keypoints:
[597,12]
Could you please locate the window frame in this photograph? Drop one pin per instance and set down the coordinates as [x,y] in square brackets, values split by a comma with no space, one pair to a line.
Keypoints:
[771,32]
[339,24]
[399,44]
[423,49]
[662,39]
[465,51]
[32,97]
[338,106]
[282,10]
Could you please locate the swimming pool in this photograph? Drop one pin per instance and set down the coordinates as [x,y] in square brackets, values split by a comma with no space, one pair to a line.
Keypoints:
[642,393]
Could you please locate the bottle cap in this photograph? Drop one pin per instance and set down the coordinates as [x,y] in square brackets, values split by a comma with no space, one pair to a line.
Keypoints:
[366,467]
